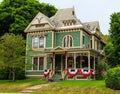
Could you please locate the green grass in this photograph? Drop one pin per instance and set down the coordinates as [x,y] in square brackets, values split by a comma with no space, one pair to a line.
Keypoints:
[77,87]
[98,83]
[19,85]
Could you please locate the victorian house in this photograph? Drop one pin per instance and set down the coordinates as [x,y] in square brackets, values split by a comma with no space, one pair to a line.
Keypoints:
[63,47]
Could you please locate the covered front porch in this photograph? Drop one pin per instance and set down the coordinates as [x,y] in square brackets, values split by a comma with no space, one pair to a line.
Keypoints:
[72,64]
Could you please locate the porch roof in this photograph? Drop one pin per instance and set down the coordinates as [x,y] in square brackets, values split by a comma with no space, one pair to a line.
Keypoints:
[63,50]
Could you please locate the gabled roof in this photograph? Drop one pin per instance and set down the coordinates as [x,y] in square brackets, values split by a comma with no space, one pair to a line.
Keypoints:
[59,20]
[41,19]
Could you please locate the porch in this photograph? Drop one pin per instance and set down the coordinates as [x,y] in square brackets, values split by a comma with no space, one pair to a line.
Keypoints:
[72,64]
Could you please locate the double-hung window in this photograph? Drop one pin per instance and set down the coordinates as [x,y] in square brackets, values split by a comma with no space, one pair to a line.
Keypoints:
[38,42]
[38,63]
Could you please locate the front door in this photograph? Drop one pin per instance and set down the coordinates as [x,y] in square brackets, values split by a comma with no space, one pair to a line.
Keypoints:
[57,63]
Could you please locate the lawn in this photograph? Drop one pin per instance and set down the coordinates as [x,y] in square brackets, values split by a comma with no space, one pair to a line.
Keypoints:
[77,87]
[19,85]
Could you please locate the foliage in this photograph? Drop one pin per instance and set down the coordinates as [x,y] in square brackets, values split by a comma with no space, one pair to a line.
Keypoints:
[12,54]
[3,74]
[113,78]
[101,69]
[106,38]
[109,52]
[19,85]
[115,38]
[15,15]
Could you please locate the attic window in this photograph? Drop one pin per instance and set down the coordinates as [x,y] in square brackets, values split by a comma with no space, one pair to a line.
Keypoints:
[39,25]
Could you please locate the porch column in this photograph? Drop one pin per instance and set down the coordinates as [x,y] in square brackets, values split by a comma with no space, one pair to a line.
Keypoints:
[54,61]
[74,60]
[88,60]
[65,60]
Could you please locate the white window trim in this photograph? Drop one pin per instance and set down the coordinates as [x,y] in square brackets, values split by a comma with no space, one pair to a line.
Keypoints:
[38,42]
[38,63]
[69,41]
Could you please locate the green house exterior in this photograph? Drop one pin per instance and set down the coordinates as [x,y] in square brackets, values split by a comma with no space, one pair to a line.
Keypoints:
[62,46]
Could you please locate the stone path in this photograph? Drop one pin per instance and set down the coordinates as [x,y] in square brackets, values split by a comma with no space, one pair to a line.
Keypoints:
[33,88]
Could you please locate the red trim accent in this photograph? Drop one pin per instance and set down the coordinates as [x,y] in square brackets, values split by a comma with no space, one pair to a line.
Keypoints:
[71,74]
[85,74]
[47,73]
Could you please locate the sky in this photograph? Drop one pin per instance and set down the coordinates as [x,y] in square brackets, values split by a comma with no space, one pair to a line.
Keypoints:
[90,10]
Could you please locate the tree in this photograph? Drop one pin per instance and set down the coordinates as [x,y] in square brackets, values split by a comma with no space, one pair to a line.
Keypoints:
[115,37]
[12,56]
[109,52]
[15,15]
[106,38]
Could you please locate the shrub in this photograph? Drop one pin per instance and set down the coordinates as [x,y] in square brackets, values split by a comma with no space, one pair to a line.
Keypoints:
[112,79]
[101,69]
[20,74]
[4,74]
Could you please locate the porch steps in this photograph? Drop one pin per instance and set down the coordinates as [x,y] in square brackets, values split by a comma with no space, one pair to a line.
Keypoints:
[57,77]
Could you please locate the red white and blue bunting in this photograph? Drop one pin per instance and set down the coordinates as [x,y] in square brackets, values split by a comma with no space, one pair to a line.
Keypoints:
[85,72]
[46,72]
[72,72]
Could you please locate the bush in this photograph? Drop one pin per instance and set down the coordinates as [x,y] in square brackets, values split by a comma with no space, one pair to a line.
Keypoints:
[4,74]
[101,69]
[113,78]
[20,74]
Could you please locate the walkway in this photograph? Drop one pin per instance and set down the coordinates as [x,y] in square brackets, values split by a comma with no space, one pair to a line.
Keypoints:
[33,88]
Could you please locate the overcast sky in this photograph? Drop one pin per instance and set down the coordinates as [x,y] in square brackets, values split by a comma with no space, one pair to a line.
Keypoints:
[90,10]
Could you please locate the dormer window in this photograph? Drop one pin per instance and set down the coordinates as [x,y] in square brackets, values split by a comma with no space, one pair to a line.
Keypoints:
[67,41]
[68,22]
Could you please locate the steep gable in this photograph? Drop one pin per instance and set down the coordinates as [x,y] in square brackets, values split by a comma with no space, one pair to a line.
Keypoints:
[40,22]
[65,17]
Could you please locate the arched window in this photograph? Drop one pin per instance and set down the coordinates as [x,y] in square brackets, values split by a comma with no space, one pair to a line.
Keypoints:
[67,41]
